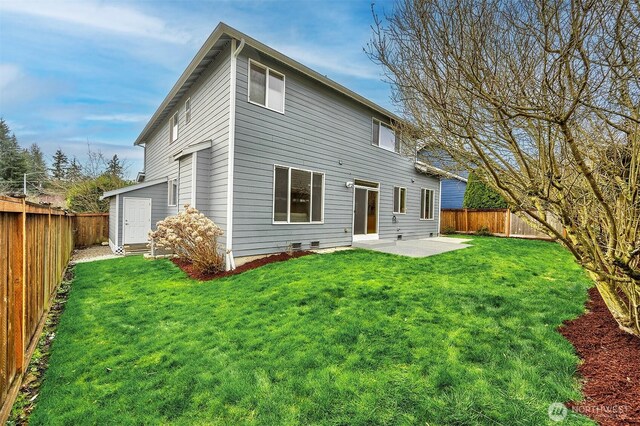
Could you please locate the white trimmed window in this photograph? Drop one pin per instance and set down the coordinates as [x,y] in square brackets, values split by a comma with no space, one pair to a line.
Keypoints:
[187,111]
[172,191]
[173,128]
[399,200]
[384,136]
[426,204]
[266,87]
[298,196]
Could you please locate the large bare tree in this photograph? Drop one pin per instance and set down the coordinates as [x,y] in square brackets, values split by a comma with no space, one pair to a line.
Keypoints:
[541,99]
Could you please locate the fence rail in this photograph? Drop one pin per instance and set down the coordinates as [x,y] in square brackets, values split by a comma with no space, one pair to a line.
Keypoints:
[35,246]
[501,222]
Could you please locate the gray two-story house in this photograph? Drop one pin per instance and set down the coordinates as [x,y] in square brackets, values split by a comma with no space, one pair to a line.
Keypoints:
[277,155]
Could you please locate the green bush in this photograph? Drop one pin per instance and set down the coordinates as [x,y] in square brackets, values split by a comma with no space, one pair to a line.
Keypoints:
[84,195]
[484,232]
[480,196]
[447,230]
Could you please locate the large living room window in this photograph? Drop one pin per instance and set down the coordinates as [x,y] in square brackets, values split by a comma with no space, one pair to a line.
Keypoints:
[266,87]
[298,196]
[384,136]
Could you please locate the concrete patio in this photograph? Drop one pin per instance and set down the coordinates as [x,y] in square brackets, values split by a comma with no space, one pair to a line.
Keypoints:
[415,248]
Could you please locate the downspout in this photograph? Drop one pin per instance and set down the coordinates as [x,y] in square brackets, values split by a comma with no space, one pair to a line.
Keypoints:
[230,263]
[439,206]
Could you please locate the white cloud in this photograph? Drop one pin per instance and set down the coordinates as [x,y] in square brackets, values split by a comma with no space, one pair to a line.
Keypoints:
[120,118]
[99,16]
[9,73]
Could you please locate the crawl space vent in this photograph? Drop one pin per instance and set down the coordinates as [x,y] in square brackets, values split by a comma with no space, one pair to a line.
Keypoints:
[296,246]
[315,244]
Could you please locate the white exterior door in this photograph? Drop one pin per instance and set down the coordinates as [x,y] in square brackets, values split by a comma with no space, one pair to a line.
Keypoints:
[137,220]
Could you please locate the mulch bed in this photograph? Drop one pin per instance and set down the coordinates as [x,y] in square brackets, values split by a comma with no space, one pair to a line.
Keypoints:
[280,257]
[610,367]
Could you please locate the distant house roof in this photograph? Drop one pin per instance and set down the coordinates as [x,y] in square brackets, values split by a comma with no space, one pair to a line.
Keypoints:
[433,170]
[215,44]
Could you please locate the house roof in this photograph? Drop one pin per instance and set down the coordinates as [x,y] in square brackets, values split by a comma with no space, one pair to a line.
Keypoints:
[433,170]
[132,188]
[215,44]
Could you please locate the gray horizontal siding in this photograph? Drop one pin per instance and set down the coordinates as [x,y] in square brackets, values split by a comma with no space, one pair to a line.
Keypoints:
[209,121]
[112,220]
[203,180]
[319,130]
[453,193]
[185,182]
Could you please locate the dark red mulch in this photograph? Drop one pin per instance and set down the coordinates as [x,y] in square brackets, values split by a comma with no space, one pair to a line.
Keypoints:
[280,257]
[610,367]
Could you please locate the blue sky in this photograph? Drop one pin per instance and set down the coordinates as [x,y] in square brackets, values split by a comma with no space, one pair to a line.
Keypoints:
[78,72]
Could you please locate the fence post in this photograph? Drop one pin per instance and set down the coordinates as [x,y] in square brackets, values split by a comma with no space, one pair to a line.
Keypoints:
[466,220]
[18,269]
[507,223]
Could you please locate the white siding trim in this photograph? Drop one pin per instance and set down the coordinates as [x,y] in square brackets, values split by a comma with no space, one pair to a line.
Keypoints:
[117,219]
[439,206]
[194,166]
[229,262]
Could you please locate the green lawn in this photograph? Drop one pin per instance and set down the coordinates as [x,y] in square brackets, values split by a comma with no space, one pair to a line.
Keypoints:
[353,337]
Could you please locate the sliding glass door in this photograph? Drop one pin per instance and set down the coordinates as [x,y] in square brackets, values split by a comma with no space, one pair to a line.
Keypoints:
[365,210]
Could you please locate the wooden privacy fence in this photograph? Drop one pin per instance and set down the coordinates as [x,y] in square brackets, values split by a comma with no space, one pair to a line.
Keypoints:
[90,228]
[35,246]
[501,222]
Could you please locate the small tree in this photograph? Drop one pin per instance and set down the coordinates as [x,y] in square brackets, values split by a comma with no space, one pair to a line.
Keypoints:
[192,237]
[115,167]
[59,165]
[480,196]
[74,171]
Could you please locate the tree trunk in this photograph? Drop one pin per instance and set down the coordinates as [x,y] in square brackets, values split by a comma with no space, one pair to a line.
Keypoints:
[622,300]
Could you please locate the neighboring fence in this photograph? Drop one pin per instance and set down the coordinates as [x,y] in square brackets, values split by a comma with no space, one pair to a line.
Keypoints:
[35,246]
[90,228]
[502,222]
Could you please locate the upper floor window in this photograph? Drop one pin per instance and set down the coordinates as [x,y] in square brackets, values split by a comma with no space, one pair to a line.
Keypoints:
[173,128]
[187,111]
[399,200]
[384,136]
[266,87]
[298,196]
[426,204]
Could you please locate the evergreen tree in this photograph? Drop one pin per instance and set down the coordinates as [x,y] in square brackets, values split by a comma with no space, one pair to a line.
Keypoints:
[60,165]
[13,162]
[115,167]
[36,164]
[480,196]
[74,172]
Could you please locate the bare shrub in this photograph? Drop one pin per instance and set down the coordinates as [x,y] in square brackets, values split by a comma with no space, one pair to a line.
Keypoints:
[192,237]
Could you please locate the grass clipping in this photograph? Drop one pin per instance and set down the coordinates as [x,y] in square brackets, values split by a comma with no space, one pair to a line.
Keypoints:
[193,237]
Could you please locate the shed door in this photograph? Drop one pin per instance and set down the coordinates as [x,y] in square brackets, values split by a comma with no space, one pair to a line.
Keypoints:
[137,220]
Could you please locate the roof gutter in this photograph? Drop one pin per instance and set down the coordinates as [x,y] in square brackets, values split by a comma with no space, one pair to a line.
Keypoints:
[433,170]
